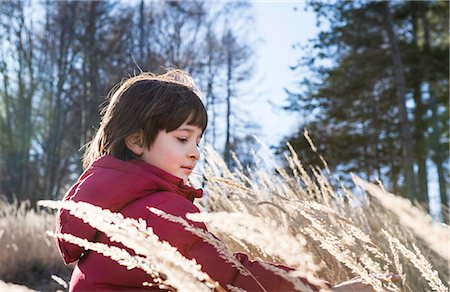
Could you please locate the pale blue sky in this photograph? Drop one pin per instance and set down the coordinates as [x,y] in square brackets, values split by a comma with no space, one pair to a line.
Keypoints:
[278,27]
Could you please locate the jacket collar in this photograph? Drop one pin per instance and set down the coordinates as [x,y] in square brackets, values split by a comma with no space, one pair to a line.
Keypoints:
[176,181]
[159,180]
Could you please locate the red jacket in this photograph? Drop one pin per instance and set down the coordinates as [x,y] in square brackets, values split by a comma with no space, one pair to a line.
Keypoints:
[130,187]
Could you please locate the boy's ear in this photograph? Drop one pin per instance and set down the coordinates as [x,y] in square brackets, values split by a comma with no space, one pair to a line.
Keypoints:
[135,142]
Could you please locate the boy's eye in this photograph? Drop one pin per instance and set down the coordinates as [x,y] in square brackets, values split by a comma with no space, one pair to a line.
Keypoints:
[183,140]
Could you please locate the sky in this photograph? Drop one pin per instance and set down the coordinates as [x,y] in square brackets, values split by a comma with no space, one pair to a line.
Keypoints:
[279,25]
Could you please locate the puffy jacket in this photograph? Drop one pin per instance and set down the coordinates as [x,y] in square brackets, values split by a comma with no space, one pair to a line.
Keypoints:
[130,187]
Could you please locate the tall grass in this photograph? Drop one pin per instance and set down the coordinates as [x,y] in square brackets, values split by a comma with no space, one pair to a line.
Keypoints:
[27,255]
[344,234]
[301,217]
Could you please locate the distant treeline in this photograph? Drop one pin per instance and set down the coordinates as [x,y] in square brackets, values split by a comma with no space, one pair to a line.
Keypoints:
[59,59]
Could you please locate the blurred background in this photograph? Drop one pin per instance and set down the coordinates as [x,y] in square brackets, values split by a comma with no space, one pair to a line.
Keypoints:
[367,79]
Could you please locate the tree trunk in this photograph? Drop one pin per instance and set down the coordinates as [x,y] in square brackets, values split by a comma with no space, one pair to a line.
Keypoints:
[377,135]
[405,128]
[227,150]
[211,66]
[439,156]
[53,153]
[420,126]
[227,154]
[142,32]
[420,148]
[443,187]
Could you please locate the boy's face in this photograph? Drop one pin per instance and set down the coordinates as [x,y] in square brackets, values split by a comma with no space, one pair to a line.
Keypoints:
[175,152]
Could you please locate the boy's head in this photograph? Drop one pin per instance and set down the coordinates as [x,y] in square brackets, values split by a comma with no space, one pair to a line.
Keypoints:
[146,104]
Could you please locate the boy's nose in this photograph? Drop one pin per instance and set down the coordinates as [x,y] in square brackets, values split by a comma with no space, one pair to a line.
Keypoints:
[194,153]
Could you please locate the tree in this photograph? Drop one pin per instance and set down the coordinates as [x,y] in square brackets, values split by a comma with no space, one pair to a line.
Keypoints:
[214,61]
[405,136]
[18,93]
[366,59]
[60,38]
[238,68]
[55,73]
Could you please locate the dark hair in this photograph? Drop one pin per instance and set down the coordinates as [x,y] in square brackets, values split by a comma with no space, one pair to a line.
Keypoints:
[146,102]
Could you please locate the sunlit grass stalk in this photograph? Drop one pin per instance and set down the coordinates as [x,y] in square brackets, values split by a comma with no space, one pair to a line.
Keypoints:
[419,222]
[345,256]
[221,248]
[120,255]
[253,230]
[60,281]
[419,261]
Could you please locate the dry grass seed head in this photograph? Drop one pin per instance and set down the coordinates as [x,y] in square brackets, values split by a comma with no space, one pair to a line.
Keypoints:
[420,262]
[435,235]
[253,231]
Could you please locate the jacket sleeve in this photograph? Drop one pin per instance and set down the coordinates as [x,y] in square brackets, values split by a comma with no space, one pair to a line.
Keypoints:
[66,223]
[90,190]
[192,246]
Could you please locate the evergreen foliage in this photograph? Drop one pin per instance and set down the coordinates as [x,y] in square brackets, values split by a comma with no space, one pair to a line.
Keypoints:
[351,101]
